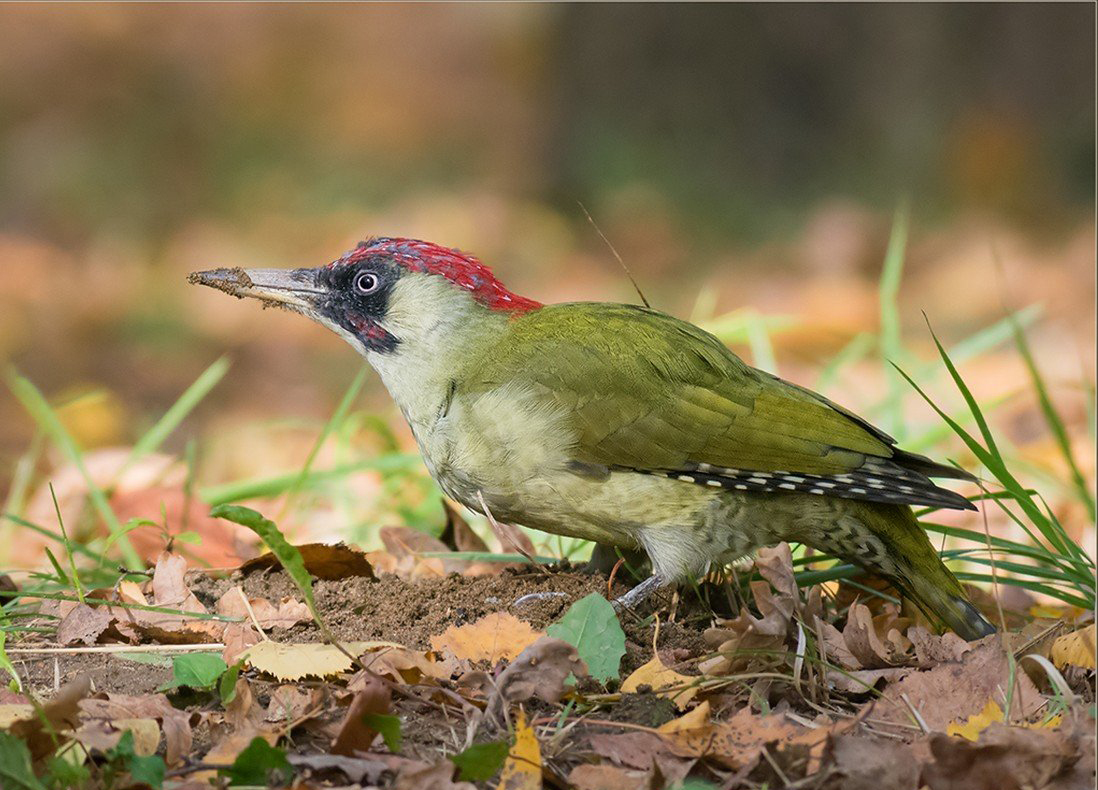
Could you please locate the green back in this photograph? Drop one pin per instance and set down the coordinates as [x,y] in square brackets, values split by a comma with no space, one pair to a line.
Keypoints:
[650,392]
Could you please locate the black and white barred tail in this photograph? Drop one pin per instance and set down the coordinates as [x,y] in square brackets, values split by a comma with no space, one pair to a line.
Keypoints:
[878,480]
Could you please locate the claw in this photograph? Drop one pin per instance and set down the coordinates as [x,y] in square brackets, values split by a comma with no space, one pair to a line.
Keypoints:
[639,594]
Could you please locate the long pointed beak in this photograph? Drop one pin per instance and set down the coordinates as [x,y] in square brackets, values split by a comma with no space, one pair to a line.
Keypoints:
[293,289]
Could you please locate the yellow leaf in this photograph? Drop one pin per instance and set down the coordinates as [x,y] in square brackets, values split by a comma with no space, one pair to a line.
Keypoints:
[694,720]
[13,712]
[659,677]
[296,661]
[491,638]
[977,723]
[1076,648]
[992,713]
[522,769]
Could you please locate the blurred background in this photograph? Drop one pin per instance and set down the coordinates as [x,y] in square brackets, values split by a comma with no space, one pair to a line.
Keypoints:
[746,161]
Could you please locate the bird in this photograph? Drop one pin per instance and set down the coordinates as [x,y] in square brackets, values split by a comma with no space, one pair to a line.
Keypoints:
[620,424]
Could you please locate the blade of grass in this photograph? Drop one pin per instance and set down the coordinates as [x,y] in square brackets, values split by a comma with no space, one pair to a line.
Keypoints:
[1054,421]
[39,408]
[856,349]
[68,547]
[337,418]
[888,294]
[184,405]
[279,484]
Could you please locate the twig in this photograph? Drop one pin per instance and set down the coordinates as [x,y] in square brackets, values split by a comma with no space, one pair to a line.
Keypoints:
[621,263]
[208,646]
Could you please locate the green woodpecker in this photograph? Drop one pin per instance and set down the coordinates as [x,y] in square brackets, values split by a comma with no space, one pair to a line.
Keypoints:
[619,424]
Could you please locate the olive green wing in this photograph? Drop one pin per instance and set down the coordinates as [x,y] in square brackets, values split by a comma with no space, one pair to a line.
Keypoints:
[649,393]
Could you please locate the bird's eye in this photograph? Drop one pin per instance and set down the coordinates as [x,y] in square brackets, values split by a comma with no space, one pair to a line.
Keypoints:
[366,282]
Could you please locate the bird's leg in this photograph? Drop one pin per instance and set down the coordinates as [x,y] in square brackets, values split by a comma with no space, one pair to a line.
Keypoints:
[604,557]
[640,593]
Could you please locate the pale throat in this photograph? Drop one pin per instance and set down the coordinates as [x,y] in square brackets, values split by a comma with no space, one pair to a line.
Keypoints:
[441,330]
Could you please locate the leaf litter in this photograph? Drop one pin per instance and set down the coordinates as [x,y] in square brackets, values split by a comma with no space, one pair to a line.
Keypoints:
[396,669]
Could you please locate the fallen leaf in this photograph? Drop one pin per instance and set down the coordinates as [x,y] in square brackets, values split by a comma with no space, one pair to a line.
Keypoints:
[83,625]
[290,703]
[103,735]
[59,714]
[952,691]
[522,768]
[607,777]
[932,649]
[294,661]
[457,534]
[287,614]
[659,678]
[1075,649]
[592,626]
[322,560]
[862,639]
[1006,758]
[869,764]
[540,671]
[991,714]
[696,719]
[355,734]
[631,749]
[175,723]
[495,636]
[358,770]
[429,776]
[863,681]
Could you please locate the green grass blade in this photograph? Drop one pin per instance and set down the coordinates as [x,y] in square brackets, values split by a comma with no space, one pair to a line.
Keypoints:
[337,418]
[39,408]
[1055,422]
[184,405]
[888,294]
[856,349]
[279,484]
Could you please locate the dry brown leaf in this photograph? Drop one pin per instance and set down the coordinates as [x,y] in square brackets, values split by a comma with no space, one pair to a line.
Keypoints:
[290,703]
[1075,649]
[457,534]
[322,560]
[1007,758]
[83,625]
[658,677]
[228,748]
[862,639]
[429,776]
[495,636]
[103,735]
[287,614]
[631,749]
[932,649]
[607,777]
[868,764]
[522,768]
[863,681]
[539,671]
[294,661]
[834,646]
[11,712]
[355,735]
[60,714]
[238,637]
[242,710]
[952,691]
[175,723]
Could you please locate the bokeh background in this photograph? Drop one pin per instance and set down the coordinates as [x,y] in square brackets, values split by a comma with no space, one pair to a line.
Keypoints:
[744,160]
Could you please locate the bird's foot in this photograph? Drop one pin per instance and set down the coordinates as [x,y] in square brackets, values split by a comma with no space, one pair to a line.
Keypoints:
[639,594]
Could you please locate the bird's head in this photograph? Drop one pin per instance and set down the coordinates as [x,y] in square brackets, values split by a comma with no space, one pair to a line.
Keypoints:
[385,294]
